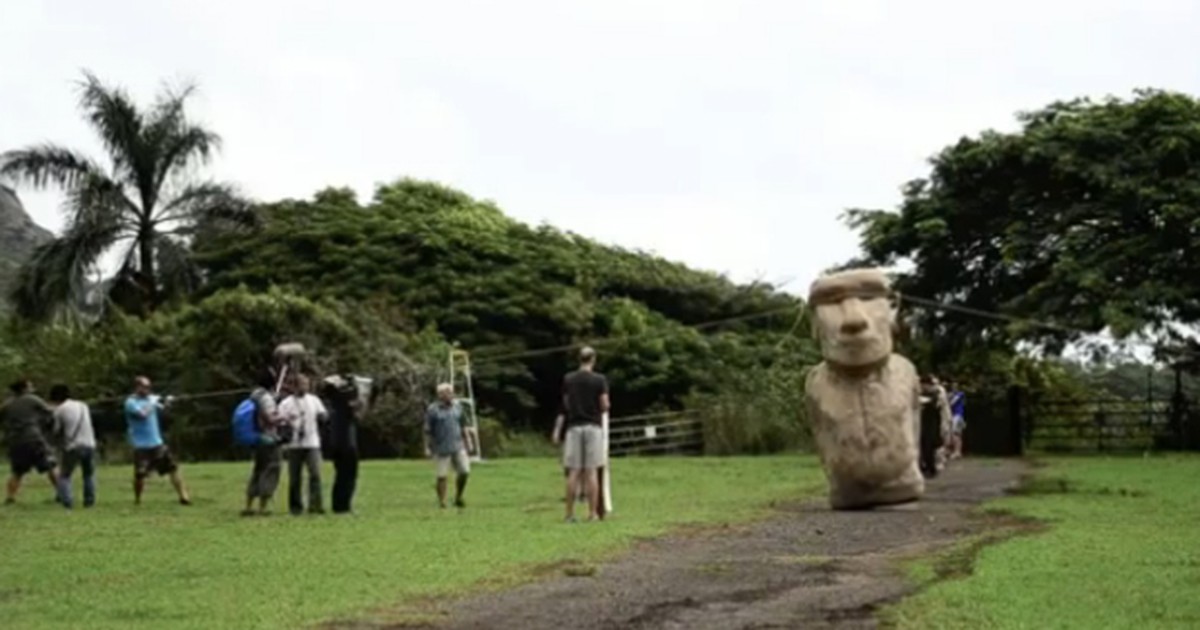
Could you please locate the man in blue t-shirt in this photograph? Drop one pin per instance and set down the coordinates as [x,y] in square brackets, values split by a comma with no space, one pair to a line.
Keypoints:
[445,442]
[149,451]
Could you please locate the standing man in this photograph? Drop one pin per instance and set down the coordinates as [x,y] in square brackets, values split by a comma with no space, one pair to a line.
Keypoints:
[345,405]
[24,416]
[935,424]
[149,451]
[268,453]
[958,407]
[585,399]
[445,440]
[304,411]
[73,421]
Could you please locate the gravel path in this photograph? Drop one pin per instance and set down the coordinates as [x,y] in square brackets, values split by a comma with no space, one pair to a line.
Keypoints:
[808,567]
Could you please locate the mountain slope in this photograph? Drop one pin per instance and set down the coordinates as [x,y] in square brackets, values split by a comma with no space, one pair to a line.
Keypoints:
[19,237]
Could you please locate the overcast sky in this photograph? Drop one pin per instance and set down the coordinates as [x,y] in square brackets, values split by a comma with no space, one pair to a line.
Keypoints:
[728,135]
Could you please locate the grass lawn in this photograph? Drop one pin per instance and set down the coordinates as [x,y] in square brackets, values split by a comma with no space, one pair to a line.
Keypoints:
[167,566]
[1121,550]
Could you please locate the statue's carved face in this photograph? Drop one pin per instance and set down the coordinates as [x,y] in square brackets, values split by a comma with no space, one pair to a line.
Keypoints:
[853,317]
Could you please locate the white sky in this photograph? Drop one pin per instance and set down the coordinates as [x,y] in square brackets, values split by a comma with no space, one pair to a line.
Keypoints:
[728,135]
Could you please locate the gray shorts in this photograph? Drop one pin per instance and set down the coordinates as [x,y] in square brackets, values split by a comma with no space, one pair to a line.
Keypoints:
[584,448]
[460,461]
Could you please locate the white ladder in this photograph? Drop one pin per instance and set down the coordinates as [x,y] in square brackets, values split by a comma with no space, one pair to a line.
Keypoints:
[460,375]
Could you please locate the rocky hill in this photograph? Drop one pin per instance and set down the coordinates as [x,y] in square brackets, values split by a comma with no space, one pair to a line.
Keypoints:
[19,236]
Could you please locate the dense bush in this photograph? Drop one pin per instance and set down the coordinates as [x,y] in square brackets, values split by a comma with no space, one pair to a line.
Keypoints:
[218,344]
[500,288]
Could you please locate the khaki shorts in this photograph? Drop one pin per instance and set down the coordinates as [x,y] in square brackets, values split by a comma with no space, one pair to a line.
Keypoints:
[584,448]
[462,464]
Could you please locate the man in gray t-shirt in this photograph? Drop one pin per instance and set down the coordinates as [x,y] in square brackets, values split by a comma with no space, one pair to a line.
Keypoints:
[268,454]
[73,423]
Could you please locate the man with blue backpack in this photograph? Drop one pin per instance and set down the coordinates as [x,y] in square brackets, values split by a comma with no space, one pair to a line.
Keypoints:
[257,424]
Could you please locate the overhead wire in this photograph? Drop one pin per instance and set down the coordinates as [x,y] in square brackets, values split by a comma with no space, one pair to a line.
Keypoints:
[903,298]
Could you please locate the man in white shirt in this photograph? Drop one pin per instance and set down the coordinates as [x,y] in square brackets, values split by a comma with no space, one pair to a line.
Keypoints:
[73,421]
[304,411]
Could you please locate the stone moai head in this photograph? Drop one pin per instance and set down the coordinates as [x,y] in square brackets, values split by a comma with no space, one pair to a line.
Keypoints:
[853,317]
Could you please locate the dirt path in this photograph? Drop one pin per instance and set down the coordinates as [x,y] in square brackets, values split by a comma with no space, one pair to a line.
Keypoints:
[809,567]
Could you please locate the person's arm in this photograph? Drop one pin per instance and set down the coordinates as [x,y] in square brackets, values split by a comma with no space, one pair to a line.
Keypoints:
[556,437]
[604,400]
[428,429]
[466,434]
[141,411]
[322,412]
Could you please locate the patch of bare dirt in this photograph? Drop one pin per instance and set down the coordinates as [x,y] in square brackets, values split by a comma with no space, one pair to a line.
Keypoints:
[807,567]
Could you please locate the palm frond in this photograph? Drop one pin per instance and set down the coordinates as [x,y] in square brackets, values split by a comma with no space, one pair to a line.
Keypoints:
[41,165]
[117,120]
[55,277]
[186,145]
[207,203]
[178,141]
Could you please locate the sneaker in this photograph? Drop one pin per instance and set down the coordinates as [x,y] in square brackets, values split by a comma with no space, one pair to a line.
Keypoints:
[459,503]
[316,510]
[9,501]
[249,513]
[570,519]
[185,502]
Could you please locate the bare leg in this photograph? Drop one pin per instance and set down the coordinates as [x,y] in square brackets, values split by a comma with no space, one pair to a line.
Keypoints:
[180,488]
[139,485]
[572,492]
[56,480]
[14,486]
[460,484]
[441,491]
[593,493]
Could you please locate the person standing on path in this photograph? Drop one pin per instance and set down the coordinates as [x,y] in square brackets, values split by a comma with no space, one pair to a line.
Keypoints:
[149,451]
[958,407]
[935,424]
[445,440]
[73,421]
[24,417]
[304,411]
[268,453]
[585,399]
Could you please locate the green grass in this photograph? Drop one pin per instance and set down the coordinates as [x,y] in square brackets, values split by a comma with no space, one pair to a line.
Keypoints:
[1120,549]
[166,566]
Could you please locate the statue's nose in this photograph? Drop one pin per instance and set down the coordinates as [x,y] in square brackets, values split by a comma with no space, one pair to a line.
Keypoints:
[853,319]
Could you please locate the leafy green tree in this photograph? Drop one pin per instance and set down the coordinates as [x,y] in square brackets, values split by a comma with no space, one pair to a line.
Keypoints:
[142,204]
[504,291]
[1086,217]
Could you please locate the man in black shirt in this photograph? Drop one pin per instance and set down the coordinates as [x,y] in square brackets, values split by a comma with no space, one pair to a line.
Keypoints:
[585,400]
[24,418]
[349,398]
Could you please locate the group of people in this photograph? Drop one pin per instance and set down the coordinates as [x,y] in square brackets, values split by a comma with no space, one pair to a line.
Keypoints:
[31,422]
[942,424]
[289,420]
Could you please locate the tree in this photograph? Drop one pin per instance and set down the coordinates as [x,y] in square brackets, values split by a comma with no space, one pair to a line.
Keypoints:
[505,291]
[1085,217]
[143,205]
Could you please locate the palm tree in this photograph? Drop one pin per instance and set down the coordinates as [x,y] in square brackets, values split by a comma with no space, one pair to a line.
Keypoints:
[144,206]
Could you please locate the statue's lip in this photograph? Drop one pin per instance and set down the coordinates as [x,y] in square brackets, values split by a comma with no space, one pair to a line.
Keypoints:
[855,341]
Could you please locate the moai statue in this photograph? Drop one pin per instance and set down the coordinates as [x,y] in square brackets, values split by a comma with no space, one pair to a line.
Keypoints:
[863,400]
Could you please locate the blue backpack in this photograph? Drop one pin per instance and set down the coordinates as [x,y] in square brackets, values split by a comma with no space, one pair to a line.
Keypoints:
[245,423]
